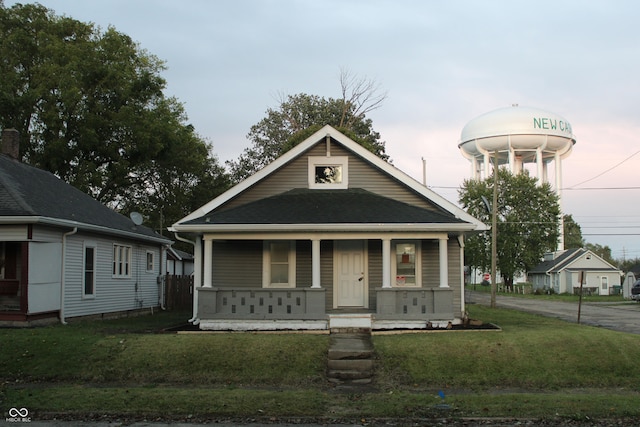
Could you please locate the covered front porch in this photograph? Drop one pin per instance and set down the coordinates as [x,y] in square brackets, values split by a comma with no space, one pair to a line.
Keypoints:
[277,309]
[400,281]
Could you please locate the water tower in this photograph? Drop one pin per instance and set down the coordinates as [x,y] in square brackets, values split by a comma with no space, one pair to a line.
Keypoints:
[517,136]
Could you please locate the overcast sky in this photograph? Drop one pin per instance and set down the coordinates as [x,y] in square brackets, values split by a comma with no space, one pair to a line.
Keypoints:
[442,63]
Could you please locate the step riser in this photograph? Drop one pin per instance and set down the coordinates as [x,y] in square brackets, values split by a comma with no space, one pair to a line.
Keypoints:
[350,359]
[362,365]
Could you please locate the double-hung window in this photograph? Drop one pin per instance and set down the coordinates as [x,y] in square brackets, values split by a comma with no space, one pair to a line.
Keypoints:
[279,264]
[89,278]
[149,262]
[121,261]
[406,263]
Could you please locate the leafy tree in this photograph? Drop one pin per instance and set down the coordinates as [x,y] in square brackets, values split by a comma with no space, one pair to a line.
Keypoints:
[90,108]
[527,218]
[572,233]
[298,116]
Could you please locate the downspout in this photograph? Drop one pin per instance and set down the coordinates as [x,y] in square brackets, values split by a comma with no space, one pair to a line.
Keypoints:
[163,276]
[63,269]
[194,314]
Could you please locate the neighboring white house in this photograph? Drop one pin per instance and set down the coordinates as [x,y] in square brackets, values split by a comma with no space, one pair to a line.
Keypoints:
[561,271]
[328,234]
[179,263]
[64,254]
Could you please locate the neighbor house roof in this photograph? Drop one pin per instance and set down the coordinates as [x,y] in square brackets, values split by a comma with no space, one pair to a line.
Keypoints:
[564,260]
[31,195]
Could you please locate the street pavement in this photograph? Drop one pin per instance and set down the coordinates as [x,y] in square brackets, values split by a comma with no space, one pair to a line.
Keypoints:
[623,316]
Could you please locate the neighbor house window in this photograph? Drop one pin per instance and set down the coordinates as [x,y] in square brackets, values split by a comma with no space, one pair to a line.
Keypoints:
[279,260]
[328,172]
[149,261]
[121,261]
[3,259]
[89,279]
[406,263]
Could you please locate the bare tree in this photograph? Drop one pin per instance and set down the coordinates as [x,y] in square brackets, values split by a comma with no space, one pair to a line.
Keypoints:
[359,96]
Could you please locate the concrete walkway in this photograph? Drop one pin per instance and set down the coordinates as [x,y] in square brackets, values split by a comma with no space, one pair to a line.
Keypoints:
[617,316]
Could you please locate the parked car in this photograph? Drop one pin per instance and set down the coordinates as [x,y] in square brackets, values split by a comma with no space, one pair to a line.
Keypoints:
[635,291]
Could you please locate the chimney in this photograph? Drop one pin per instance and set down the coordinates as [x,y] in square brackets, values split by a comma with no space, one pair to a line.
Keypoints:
[11,143]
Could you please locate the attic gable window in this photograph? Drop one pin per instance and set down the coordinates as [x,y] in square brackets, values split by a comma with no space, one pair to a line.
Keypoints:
[328,172]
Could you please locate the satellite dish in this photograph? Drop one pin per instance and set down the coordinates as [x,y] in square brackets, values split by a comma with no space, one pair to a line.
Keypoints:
[136,217]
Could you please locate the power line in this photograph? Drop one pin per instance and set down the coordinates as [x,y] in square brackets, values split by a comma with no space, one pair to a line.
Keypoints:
[602,173]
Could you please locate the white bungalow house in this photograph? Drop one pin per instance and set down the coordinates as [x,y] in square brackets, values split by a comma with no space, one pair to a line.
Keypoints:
[561,272]
[64,254]
[325,236]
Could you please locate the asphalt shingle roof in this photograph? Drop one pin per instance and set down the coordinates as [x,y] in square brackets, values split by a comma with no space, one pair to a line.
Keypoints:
[561,261]
[305,206]
[26,191]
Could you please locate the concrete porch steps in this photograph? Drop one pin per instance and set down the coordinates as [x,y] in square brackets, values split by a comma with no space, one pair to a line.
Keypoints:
[350,359]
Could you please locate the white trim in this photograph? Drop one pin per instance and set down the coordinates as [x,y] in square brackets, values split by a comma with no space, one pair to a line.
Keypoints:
[266,265]
[417,263]
[11,220]
[93,245]
[262,325]
[327,236]
[375,228]
[341,161]
[122,261]
[153,261]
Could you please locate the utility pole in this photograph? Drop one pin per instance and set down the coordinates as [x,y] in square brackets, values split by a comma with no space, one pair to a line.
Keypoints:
[494,230]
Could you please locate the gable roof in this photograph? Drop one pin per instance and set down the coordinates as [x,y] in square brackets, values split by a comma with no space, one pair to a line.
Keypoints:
[564,260]
[452,213]
[29,195]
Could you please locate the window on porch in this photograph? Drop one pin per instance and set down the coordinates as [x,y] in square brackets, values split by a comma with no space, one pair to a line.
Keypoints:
[406,264]
[279,262]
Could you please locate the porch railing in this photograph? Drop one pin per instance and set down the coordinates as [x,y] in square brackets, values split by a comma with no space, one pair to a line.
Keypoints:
[260,303]
[416,303]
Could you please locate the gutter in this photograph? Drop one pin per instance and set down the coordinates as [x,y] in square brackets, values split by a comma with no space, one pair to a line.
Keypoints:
[341,227]
[62,274]
[194,315]
[83,226]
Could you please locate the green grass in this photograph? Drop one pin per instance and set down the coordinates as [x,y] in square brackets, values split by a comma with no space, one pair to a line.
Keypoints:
[554,297]
[535,367]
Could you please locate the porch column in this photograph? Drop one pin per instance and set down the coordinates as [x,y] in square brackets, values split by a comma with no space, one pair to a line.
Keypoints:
[208,262]
[197,263]
[386,263]
[444,265]
[315,264]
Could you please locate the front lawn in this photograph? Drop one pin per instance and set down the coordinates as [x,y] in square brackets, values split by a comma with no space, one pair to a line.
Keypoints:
[535,367]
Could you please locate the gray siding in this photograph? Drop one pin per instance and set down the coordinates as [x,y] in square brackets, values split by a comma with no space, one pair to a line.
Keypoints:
[455,275]
[375,270]
[237,264]
[430,264]
[361,175]
[112,294]
[326,271]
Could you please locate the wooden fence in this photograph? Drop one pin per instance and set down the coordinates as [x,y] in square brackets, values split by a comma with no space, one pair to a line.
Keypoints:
[179,292]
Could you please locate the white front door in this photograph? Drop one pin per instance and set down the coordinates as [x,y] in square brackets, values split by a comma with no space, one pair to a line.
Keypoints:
[351,282]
